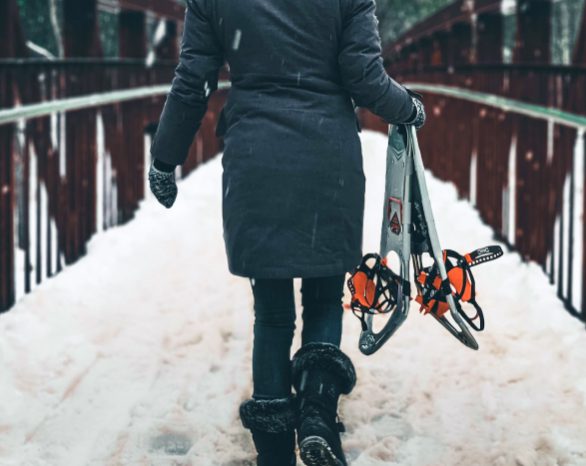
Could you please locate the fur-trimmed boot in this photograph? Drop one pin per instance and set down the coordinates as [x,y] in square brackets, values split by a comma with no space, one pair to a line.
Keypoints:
[321,373]
[272,424]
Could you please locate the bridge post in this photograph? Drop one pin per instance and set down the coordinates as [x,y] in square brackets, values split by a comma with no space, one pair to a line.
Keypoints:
[578,105]
[461,44]
[130,157]
[408,57]
[440,49]
[80,35]
[533,39]
[11,45]
[489,39]
[6,204]
[493,139]
[461,136]
[533,216]
[167,49]
[132,34]
[81,40]
[7,14]
[425,55]
[583,310]
[569,95]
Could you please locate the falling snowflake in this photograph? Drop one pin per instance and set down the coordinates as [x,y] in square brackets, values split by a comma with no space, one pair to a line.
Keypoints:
[236,41]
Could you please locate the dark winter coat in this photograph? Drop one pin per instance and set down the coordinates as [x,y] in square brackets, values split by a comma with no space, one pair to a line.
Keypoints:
[293,183]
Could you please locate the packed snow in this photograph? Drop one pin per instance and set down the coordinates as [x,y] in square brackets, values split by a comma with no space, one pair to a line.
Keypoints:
[140,354]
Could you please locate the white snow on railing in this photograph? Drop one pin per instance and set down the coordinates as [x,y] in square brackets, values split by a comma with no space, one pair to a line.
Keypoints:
[12,115]
[539,112]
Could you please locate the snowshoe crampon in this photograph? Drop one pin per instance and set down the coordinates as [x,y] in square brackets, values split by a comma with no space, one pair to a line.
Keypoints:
[445,289]
[374,287]
[432,297]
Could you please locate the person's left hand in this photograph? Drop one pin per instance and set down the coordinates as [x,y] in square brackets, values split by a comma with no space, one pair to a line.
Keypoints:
[163,186]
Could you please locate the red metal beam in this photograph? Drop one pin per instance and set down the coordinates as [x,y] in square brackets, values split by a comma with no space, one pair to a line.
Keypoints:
[487,6]
[453,14]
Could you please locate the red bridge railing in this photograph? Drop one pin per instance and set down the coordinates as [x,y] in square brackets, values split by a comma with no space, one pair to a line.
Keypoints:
[67,172]
[70,174]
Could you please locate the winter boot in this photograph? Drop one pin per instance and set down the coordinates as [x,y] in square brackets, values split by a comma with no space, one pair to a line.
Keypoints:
[272,424]
[321,373]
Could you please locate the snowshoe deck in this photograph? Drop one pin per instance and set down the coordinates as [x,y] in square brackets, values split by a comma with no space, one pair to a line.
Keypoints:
[315,451]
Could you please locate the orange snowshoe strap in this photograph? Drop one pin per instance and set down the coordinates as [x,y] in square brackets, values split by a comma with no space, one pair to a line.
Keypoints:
[365,289]
[374,288]
[460,284]
[439,308]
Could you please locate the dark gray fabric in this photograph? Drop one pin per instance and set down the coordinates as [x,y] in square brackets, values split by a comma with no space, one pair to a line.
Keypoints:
[321,372]
[293,183]
[271,416]
[323,357]
[274,326]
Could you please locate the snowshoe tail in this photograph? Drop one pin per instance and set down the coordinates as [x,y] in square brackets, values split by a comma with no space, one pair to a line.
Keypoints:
[457,326]
[315,451]
[482,255]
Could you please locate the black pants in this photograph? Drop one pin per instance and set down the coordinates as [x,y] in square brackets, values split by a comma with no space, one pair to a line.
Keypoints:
[274,325]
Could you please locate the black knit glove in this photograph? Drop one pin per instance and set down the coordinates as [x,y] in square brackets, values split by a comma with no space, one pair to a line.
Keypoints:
[163,186]
[418,116]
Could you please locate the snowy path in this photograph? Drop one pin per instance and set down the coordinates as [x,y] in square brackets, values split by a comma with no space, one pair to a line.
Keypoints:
[140,354]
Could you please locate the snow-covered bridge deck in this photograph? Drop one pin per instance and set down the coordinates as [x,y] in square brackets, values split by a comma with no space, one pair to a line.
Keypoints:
[140,354]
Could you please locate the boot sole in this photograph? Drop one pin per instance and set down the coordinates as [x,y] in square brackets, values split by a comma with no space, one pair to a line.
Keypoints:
[315,451]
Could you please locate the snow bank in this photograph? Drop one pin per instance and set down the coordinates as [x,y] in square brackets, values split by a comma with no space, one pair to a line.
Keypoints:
[140,354]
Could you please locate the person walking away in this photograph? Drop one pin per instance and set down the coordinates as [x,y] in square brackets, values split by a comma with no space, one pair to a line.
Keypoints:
[293,189]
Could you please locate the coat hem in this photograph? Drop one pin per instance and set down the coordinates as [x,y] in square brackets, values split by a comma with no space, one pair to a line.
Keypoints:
[326,270]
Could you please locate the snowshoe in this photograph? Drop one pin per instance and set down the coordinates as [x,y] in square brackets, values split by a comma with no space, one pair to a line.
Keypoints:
[408,230]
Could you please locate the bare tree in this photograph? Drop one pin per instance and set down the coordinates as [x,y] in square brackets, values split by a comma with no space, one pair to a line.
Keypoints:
[56,27]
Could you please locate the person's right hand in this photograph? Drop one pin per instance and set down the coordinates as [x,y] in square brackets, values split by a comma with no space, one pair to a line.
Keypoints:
[163,186]
[418,117]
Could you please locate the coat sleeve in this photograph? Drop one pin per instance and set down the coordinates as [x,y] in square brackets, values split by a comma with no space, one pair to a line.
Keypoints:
[361,66]
[196,77]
